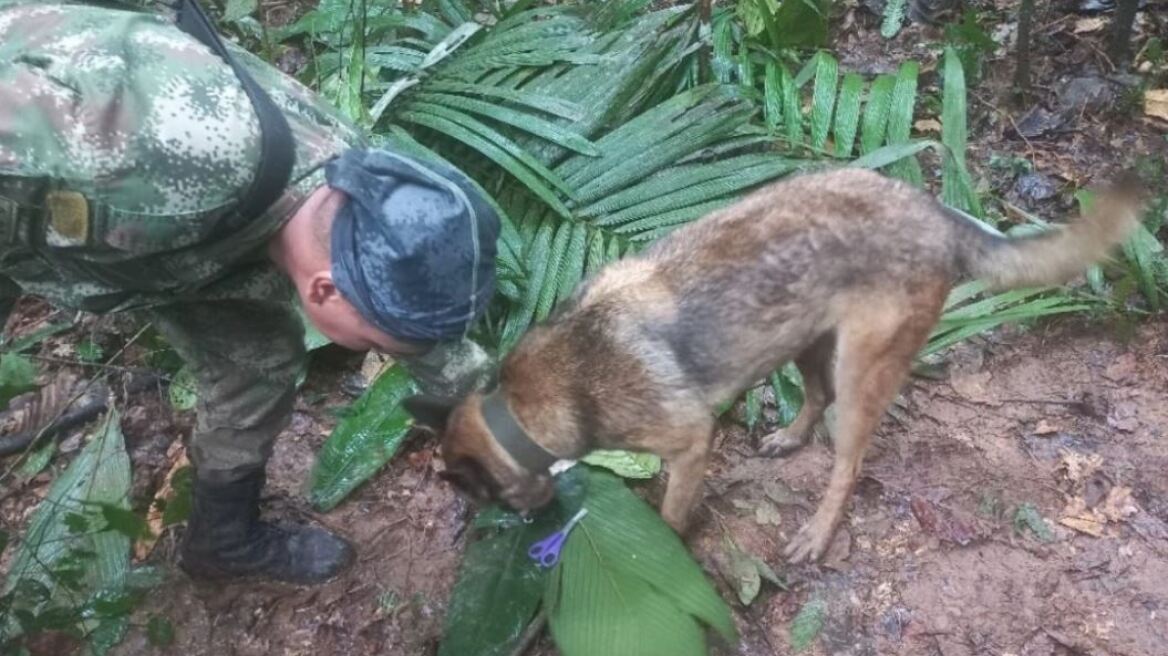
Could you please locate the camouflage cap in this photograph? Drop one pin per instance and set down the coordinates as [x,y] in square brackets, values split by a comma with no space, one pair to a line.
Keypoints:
[413,247]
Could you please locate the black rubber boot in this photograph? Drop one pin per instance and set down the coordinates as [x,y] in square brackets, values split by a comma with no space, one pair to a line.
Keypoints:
[225,539]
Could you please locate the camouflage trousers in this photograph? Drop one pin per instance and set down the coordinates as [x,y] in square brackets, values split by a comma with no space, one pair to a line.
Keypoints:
[246,357]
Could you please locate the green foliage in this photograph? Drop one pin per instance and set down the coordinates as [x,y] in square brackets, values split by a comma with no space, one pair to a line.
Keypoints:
[785,23]
[71,571]
[21,344]
[1028,517]
[90,351]
[967,313]
[178,507]
[970,41]
[747,571]
[627,584]
[499,588]
[788,387]
[184,390]
[624,584]
[124,521]
[625,463]
[894,12]
[807,624]
[238,9]
[38,459]
[956,190]
[364,440]
[17,376]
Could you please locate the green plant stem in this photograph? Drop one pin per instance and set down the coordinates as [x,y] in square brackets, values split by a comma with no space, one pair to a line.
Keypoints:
[531,633]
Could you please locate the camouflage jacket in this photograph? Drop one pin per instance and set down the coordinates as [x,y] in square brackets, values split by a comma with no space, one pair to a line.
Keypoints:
[122,141]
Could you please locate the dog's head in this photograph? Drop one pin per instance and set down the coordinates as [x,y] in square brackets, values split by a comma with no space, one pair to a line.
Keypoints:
[476,465]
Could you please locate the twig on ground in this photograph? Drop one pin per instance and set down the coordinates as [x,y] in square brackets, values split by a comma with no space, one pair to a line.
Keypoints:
[531,633]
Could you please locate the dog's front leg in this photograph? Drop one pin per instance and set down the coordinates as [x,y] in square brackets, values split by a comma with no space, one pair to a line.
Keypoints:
[686,472]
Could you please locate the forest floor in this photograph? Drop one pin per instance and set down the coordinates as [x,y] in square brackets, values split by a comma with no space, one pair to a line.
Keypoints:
[1066,418]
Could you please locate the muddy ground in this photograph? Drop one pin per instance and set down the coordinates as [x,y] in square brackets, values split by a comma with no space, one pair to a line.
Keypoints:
[1068,416]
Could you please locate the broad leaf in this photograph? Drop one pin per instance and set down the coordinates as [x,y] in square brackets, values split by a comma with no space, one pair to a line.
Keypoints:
[71,564]
[627,585]
[626,463]
[499,586]
[364,440]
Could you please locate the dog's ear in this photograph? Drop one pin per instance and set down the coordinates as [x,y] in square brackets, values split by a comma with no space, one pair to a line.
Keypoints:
[429,411]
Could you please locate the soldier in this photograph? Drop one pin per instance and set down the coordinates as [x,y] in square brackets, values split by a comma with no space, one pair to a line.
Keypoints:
[130,157]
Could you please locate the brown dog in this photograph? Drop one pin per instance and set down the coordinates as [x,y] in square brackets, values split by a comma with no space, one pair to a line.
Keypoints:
[846,265]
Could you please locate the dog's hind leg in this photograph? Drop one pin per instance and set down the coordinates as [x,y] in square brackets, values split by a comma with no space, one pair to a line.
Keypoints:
[877,344]
[814,365]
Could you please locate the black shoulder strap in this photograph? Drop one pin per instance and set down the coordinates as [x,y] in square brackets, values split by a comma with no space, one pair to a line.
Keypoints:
[277,152]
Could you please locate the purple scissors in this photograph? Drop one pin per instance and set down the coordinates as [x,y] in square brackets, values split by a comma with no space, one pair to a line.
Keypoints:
[546,552]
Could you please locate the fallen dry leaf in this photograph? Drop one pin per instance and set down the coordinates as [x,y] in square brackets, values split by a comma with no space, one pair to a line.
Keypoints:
[766,514]
[1092,527]
[1116,508]
[1156,103]
[1077,466]
[1078,517]
[1119,504]
[373,365]
[1087,25]
[177,455]
[928,125]
[1044,427]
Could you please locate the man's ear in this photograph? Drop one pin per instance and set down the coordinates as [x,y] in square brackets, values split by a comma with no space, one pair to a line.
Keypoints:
[429,411]
[321,288]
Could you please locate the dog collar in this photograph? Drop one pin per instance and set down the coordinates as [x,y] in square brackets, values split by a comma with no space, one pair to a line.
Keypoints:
[511,436]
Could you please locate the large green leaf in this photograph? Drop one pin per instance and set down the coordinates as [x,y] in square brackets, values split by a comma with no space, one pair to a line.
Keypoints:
[499,586]
[823,100]
[956,188]
[364,440]
[900,115]
[627,585]
[66,534]
[625,463]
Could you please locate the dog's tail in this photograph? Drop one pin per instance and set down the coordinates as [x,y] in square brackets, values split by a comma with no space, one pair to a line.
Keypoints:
[1052,256]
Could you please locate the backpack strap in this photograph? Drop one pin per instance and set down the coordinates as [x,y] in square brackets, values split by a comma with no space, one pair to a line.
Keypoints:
[277,152]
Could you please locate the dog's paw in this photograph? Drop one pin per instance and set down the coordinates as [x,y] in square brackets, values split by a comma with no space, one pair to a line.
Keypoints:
[780,443]
[809,544]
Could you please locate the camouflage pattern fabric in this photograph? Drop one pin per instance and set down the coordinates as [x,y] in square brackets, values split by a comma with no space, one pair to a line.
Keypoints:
[123,143]
[137,140]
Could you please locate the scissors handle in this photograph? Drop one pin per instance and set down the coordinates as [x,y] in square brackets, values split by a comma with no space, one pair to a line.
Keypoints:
[546,552]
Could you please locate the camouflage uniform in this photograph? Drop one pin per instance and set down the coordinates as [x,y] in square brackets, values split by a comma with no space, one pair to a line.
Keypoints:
[123,142]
